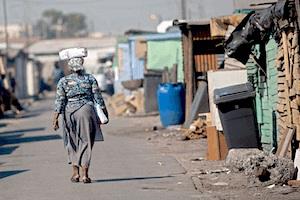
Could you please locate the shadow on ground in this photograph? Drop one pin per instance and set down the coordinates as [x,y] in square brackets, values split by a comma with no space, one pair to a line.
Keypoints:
[16,137]
[4,174]
[22,130]
[27,115]
[2,125]
[7,150]
[16,140]
[130,179]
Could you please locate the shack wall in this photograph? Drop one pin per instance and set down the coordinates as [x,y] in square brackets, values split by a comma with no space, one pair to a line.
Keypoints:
[266,94]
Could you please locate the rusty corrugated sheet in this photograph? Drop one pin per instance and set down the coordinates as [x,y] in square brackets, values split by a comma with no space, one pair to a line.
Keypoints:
[202,34]
[205,62]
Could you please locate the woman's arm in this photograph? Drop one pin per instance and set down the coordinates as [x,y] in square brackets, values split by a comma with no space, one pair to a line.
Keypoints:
[55,121]
[97,96]
[60,103]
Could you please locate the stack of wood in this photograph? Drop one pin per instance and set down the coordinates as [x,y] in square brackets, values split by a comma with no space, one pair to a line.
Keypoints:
[196,130]
[127,105]
[288,84]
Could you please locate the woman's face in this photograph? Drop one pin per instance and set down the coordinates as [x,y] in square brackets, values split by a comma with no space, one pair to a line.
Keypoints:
[76,64]
[82,61]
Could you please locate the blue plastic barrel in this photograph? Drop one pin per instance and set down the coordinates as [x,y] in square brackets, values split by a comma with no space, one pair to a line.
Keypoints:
[171,103]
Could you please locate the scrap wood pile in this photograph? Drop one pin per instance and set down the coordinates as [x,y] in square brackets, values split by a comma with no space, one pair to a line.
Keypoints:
[127,105]
[197,129]
[288,84]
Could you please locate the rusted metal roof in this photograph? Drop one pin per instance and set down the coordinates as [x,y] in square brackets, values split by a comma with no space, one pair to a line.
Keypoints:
[53,46]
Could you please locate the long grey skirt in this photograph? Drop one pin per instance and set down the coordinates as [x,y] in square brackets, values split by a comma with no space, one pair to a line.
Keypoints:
[81,129]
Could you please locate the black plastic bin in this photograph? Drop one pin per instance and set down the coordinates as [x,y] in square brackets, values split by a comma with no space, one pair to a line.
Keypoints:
[236,110]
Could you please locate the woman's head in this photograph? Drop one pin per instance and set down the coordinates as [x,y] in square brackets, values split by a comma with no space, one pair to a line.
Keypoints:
[74,56]
[76,64]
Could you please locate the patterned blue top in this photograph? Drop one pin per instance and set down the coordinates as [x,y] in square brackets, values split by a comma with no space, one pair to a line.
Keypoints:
[75,90]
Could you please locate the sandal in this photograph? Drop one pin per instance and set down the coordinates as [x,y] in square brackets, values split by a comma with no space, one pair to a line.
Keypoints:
[75,179]
[86,180]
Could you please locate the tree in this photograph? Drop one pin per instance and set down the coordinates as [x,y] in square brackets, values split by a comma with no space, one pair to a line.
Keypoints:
[56,24]
[53,16]
[75,24]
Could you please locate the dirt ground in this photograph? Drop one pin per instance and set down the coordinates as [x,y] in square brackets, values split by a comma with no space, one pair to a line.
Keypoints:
[211,178]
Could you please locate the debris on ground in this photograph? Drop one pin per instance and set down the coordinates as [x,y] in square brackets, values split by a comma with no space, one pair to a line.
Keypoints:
[294,183]
[220,184]
[174,128]
[127,105]
[271,186]
[216,171]
[136,100]
[197,159]
[118,103]
[196,130]
[261,167]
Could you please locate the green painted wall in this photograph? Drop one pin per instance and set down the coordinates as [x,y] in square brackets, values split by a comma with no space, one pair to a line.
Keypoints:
[266,93]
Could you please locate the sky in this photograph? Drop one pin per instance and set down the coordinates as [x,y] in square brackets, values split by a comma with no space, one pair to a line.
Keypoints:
[117,16]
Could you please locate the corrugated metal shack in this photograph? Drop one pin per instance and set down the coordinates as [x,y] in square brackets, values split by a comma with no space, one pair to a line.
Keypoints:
[157,51]
[201,53]
[144,57]
[149,52]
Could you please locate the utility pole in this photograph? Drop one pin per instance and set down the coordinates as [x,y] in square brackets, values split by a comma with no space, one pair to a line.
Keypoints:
[5,24]
[189,14]
[183,9]
[4,62]
[5,32]
[26,23]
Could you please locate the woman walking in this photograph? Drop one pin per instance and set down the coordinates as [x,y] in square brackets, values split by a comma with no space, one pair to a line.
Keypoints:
[75,98]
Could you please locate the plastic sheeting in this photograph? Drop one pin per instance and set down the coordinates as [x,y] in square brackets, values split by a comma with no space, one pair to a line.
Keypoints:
[255,28]
[165,53]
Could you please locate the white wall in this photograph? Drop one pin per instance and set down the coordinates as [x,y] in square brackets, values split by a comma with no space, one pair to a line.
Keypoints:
[32,79]
[220,79]
[21,77]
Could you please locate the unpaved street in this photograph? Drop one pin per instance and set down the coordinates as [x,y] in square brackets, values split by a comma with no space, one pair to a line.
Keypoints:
[134,162]
[33,163]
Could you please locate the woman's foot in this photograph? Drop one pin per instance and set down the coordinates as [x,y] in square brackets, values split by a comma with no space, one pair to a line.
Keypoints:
[85,177]
[86,180]
[75,177]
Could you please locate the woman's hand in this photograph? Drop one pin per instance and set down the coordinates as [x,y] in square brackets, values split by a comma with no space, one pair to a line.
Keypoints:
[55,121]
[100,123]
